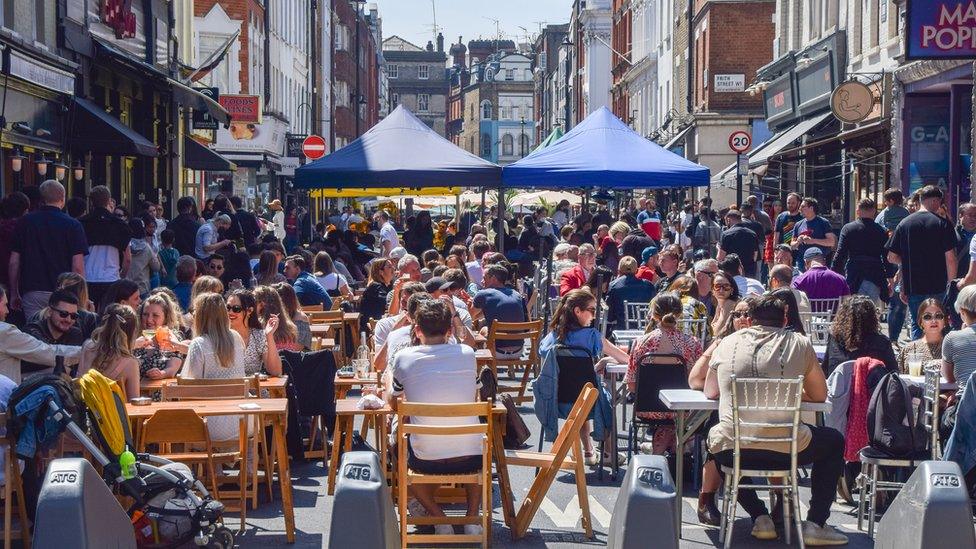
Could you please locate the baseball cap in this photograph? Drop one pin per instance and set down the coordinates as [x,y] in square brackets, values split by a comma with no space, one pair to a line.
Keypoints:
[437,283]
[812,253]
[648,253]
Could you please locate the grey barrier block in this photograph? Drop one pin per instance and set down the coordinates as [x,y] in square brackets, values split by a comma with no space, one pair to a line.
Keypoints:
[362,510]
[76,509]
[643,515]
[931,510]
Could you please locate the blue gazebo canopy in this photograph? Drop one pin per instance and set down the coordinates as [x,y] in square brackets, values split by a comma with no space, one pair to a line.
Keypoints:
[602,151]
[400,151]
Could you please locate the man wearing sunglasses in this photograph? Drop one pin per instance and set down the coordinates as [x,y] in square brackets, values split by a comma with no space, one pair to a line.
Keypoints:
[55,324]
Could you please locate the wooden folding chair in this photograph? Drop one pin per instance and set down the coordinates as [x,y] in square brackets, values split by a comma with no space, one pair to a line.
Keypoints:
[231,389]
[407,412]
[13,484]
[311,308]
[169,427]
[335,320]
[529,362]
[210,389]
[551,462]
[337,303]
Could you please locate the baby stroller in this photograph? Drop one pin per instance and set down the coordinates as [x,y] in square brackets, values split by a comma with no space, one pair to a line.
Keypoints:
[171,508]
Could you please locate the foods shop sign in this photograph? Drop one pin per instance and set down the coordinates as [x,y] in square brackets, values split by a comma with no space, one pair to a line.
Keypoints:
[941,29]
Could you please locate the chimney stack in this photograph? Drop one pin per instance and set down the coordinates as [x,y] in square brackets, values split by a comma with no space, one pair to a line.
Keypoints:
[440,43]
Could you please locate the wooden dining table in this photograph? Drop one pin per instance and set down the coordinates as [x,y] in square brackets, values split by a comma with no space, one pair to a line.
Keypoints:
[274,385]
[347,410]
[274,410]
[344,384]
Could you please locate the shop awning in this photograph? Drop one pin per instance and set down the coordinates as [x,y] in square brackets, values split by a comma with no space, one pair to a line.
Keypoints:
[189,97]
[784,139]
[94,130]
[197,156]
[681,135]
[844,137]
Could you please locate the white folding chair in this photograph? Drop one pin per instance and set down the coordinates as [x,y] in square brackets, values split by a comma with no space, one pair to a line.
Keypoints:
[817,326]
[635,315]
[828,306]
[770,405]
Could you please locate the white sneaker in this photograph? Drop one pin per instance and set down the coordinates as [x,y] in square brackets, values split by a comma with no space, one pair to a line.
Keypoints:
[764,528]
[472,529]
[443,530]
[415,508]
[816,535]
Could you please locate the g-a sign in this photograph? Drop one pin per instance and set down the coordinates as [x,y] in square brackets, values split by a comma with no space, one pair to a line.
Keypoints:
[940,29]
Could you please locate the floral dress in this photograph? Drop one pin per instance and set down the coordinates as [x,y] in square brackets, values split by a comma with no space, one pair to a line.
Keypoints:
[689,347]
[254,351]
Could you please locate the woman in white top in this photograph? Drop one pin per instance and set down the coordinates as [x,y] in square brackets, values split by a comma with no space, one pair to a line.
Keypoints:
[260,351]
[333,282]
[215,352]
[16,346]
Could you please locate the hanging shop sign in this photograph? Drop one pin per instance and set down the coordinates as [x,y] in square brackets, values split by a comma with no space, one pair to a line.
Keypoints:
[814,84]
[201,118]
[30,70]
[242,108]
[940,29]
[779,100]
[852,102]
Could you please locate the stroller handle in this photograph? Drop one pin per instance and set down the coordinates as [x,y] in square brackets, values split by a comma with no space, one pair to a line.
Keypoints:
[64,419]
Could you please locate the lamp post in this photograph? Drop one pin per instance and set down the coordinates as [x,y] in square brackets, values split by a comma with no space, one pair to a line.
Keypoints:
[358,4]
[522,139]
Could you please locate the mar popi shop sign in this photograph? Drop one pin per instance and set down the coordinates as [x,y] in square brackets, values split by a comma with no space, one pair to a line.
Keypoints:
[940,29]
[242,108]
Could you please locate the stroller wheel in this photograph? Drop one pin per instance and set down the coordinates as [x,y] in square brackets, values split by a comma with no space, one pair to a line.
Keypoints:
[222,538]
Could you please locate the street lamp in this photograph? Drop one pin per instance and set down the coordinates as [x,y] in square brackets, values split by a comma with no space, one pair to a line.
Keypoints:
[522,138]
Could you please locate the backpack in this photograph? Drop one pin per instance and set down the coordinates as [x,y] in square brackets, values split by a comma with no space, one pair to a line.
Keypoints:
[895,425]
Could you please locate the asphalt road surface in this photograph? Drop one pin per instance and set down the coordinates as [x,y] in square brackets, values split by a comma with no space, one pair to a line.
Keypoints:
[556,525]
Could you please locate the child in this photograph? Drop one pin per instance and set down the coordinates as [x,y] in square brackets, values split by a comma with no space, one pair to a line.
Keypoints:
[168,256]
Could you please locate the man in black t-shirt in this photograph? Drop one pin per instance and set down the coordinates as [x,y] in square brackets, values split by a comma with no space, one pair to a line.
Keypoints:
[739,240]
[924,244]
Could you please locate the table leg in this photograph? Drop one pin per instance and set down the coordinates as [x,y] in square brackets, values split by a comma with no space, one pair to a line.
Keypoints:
[284,477]
[679,465]
[501,466]
[334,459]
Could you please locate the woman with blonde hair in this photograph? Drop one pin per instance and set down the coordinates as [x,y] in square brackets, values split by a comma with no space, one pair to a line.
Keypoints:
[692,309]
[215,352]
[110,349]
[270,303]
[160,347]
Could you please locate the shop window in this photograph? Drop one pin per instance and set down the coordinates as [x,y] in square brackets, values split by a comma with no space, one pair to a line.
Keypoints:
[508,144]
[928,142]
[486,145]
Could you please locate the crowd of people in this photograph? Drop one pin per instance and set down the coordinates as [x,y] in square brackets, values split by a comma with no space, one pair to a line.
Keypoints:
[218,293]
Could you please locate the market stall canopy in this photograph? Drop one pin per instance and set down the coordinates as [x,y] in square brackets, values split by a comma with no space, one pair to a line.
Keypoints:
[553,136]
[358,192]
[602,151]
[399,151]
[548,197]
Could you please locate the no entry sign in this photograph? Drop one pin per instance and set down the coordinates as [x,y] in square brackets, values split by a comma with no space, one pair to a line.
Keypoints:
[313,147]
[740,141]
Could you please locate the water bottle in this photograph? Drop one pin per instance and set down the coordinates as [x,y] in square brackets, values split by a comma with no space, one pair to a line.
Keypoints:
[127,463]
[362,357]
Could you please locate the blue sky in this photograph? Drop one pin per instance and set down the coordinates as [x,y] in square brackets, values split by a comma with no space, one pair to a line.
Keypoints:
[412,19]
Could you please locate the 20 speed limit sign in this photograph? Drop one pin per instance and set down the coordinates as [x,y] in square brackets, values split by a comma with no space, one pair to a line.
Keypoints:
[740,141]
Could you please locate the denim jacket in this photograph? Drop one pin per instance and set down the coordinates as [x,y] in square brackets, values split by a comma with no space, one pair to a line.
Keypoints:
[36,433]
[961,447]
[546,386]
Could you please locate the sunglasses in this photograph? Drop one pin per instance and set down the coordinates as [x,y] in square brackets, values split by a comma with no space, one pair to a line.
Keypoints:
[739,314]
[65,314]
[929,316]
[235,308]
[723,287]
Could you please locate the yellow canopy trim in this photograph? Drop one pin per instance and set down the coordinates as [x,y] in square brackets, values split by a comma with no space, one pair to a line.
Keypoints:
[359,192]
